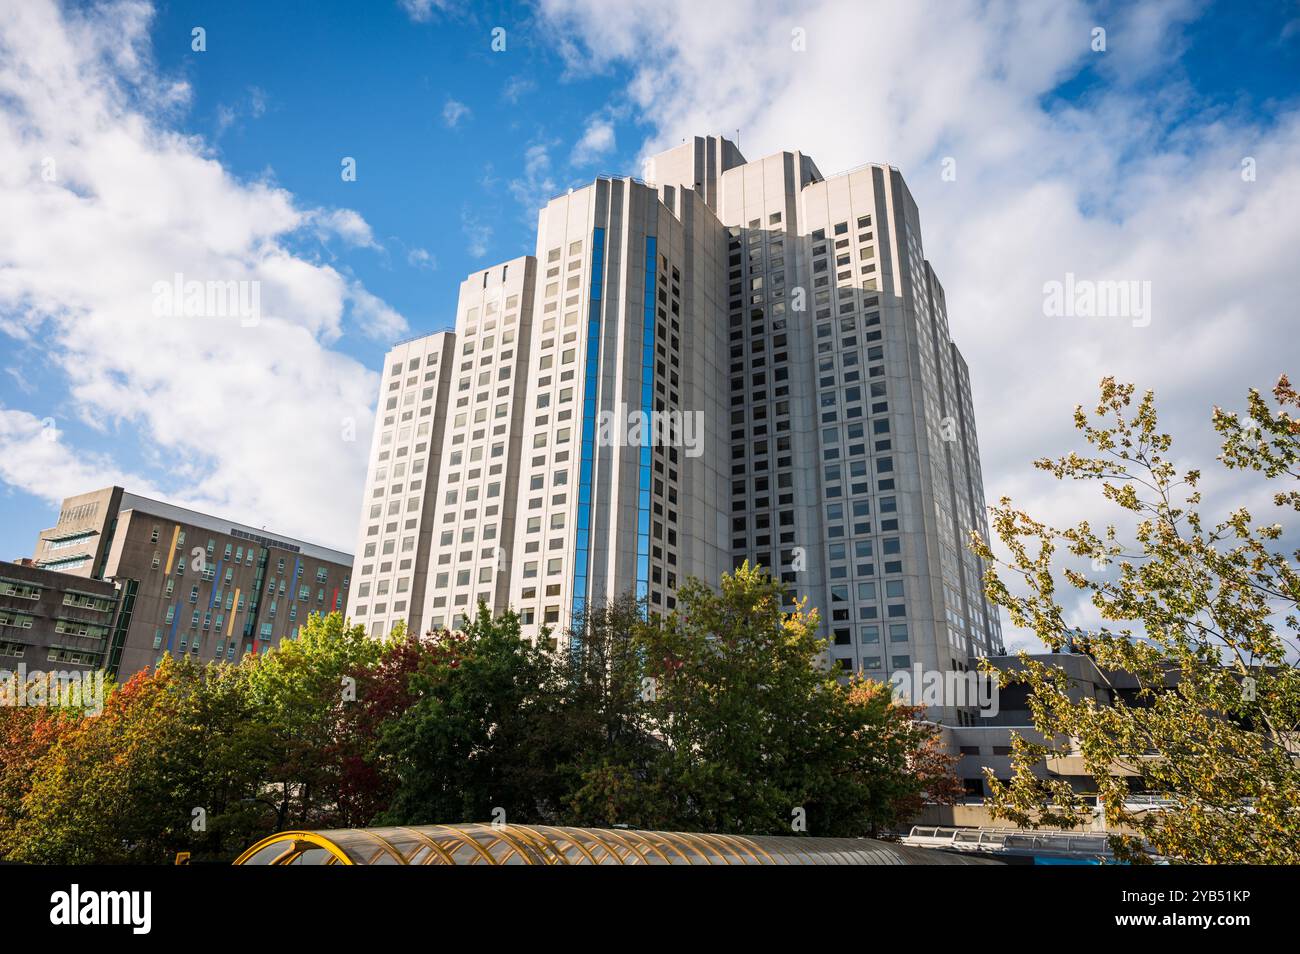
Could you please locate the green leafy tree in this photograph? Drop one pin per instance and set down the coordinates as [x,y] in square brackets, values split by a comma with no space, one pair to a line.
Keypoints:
[453,751]
[601,717]
[385,688]
[722,716]
[1201,613]
[739,696]
[756,733]
[303,690]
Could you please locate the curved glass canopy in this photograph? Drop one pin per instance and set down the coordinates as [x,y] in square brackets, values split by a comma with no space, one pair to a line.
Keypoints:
[478,844]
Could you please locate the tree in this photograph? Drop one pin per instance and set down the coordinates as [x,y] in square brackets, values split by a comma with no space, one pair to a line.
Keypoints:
[721,717]
[169,765]
[27,733]
[302,689]
[452,751]
[79,808]
[739,696]
[756,734]
[899,761]
[385,688]
[208,758]
[1204,618]
[607,739]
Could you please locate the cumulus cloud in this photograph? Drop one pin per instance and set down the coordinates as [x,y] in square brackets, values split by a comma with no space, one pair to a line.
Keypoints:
[35,445]
[597,142]
[346,224]
[376,317]
[103,204]
[1137,179]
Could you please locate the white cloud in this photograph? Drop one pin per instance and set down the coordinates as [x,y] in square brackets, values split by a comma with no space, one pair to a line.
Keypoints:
[254,419]
[257,102]
[253,107]
[35,445]
[1139,180]
[377,319]
[516,88]
[597,141]
[20,380]
[421,11]
[478,234]
[453,112]
[423,259]
[536,186]
[346,224]
[227,116]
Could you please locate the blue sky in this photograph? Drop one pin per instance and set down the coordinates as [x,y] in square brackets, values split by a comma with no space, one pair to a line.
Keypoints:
[363,80]
[439,125]
[1116,163]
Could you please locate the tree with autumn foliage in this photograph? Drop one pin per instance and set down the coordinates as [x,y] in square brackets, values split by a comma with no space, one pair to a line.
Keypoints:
[27,733]
[899,756]
[1201,611]
[169,765]
[722,716]
[384,689]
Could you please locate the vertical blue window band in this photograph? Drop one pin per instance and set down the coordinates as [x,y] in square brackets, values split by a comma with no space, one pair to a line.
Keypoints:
[647,411]
[582,539]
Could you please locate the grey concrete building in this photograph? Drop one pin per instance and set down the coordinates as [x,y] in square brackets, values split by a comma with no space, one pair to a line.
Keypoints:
[986,741]
[55,621]
[190,583]
[789,326]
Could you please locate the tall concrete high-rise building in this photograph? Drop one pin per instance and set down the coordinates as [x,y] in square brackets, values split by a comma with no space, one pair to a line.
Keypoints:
[398,509]
[725,361]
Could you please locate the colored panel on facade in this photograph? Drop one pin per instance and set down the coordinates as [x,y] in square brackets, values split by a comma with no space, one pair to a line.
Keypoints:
[171,551]
[234,608]
[590,384]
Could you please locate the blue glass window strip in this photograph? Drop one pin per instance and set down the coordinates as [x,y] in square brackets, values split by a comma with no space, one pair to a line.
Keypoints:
[582,537]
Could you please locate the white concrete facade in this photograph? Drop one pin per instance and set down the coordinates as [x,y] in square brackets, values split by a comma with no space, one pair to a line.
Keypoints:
[390,567]
[794,321]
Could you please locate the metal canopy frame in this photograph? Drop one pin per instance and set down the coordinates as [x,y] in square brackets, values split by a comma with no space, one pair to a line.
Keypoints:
[484,844]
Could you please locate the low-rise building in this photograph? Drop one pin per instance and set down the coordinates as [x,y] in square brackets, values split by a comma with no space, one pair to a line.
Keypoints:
[191,583]
[987,744]
[51,620]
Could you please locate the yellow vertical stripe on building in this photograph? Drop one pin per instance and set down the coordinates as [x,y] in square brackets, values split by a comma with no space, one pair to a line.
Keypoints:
[171,552]
[234,608]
